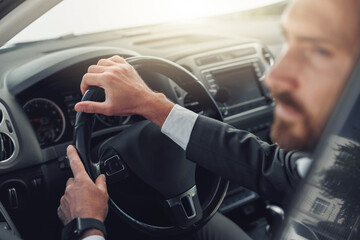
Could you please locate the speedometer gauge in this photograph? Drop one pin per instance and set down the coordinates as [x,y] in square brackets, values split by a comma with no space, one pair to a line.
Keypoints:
[47,120]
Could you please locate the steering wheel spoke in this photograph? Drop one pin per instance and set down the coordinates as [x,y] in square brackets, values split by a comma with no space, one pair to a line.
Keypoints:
[185,208]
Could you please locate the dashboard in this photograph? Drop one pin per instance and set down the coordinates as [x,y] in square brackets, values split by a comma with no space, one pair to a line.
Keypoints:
[233,76]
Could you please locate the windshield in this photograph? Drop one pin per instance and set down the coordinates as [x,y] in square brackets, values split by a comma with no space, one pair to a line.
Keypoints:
[88,16]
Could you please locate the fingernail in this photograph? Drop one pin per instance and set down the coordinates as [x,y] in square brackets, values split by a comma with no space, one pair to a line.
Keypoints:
[69,147]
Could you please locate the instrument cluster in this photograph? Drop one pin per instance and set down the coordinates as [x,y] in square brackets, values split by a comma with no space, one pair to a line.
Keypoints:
[53,120]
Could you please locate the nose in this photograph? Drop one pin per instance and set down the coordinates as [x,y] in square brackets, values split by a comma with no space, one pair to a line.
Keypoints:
[284,75]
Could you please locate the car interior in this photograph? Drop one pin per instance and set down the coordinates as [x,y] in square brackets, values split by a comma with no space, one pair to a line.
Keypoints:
[226,56]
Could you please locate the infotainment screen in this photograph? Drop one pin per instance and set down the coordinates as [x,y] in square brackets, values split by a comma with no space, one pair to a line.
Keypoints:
[240,84]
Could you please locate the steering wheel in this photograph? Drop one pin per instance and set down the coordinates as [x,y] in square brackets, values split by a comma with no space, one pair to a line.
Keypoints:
[143,150]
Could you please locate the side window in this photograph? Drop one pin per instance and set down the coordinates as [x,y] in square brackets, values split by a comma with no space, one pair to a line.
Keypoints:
[327,206]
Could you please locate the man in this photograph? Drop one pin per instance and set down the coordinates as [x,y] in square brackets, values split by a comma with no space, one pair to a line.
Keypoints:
[322,42]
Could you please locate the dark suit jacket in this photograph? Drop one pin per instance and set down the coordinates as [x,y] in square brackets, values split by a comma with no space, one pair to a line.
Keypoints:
[243,158]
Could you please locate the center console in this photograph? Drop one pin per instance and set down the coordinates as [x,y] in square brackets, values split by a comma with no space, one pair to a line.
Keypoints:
[235,78]
[237,87]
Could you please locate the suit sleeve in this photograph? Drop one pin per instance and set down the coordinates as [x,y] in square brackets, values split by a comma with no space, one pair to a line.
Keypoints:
[243,158]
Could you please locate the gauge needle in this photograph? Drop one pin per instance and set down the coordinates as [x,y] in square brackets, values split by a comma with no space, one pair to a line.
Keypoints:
[35,120]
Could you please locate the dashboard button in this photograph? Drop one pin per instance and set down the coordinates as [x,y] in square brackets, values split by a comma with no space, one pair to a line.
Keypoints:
[114,169]
[36,182]
[64,163]
[113,165]
[13,198]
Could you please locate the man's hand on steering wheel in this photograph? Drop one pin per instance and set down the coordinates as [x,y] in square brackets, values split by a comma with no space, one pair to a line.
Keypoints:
[125,92]
[83,198]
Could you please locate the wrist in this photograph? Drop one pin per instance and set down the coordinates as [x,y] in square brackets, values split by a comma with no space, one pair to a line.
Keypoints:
[158,108]
[79,228]
[91,232]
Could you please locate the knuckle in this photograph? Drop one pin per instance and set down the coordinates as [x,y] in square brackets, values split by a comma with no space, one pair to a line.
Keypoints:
[81,179]
[108,76]
[116,70]
[122,68]
[78,180]
[91,68]
[101,61]
[117,58]
[62,201]
[60,213]
[67,191]
[85,78]
[68,182]
[128,67]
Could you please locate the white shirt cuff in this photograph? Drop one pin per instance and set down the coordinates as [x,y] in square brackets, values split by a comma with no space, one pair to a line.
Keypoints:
[94,237]
[303,166]
[179,124]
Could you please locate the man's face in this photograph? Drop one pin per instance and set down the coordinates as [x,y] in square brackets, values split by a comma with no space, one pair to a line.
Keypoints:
[321,45]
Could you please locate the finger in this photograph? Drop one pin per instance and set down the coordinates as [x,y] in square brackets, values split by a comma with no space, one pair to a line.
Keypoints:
[117,59]
[69,181]
[96,69]
[90,79]
[91,107]
[105,62]
[76,165]
[59,211]
[101,182]
[63,203]
[60,214]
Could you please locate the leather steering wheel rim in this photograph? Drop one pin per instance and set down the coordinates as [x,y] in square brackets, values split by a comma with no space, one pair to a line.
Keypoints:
[186,80]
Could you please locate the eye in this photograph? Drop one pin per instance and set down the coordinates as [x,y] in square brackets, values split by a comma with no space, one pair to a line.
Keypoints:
[322,51]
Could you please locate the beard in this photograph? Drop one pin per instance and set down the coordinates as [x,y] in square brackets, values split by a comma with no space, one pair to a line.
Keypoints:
[283,134]
[298,135]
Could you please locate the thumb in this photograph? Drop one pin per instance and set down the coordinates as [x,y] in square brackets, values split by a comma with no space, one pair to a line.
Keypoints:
[100,182]
[90,107]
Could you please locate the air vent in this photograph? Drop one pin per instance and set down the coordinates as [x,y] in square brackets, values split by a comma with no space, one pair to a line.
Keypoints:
[268,56]
[192,104]
[6,147]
